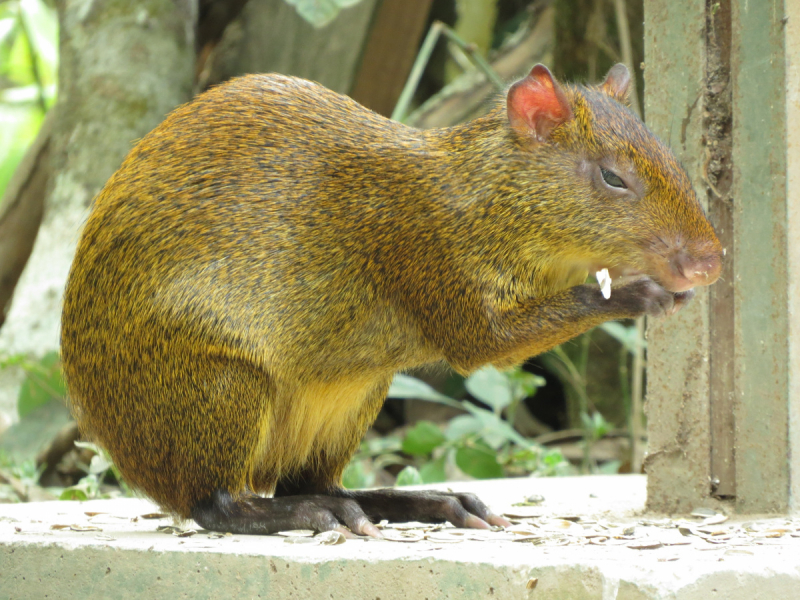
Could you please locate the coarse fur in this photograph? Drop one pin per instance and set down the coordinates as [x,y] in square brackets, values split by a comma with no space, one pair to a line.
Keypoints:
[268,257]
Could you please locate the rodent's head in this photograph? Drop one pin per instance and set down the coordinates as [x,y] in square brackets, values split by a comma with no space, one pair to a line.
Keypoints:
[614,196]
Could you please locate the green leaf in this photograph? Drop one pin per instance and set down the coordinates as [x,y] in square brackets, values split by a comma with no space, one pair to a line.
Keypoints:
[99,464]
[73,493]
[357,476]
[408,476]
[609,468]
[43,383]
[553,458]
[491,387]
[405,386]
[462,426]
[320,12]
[627,336]
[525,384]
[478,463]
[596,425]
[496,432]
[423,438]
[433,472]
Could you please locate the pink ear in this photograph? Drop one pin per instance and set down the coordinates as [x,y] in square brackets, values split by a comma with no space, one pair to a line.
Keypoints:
[537,104]
[618,83]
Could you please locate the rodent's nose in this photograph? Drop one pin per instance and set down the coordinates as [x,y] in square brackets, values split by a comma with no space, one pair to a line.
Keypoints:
[696,269]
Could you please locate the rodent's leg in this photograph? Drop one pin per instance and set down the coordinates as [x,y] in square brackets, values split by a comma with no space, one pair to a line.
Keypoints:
[307,498]
[535,325]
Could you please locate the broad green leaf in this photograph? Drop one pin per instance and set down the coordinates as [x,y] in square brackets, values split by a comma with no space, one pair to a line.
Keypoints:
[609,468]
[405,386]
[628,336]
[491,387]
[553,458]
[525,384]
[423,438]
[595,424]
[73,493]
[42,384]
[356,476]
[99,464]
[461,426]
[408,476]
[496,432]
[478,463]
[433,472]
[486,424]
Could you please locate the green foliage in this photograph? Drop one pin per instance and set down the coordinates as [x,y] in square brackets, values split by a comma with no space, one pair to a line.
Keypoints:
[320,12]
[24,471]
[43,383]
[572,372]
[28,75]
[479,461]
[626,335]
[422,439]
[100,467]
[480,443]
[409,476]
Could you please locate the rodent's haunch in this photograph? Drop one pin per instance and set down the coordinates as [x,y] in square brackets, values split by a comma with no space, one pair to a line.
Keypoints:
[268,257]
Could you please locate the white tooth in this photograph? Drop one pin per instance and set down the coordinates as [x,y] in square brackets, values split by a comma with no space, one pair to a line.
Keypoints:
[604,280]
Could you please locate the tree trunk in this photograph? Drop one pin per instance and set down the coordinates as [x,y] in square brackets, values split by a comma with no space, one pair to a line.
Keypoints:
[123,66]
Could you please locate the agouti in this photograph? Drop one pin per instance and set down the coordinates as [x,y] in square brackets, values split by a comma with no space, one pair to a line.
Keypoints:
[267,258]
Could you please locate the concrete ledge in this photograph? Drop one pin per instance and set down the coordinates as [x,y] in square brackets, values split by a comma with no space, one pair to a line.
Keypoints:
[128,558]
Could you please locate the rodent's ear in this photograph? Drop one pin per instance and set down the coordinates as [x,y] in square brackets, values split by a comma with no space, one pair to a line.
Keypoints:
[618,83]
[537,104]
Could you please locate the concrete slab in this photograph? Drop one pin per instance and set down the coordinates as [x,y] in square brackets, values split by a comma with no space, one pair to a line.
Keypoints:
[603,550]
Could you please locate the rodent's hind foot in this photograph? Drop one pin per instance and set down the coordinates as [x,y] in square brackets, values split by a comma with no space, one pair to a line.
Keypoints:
[251,514]
[355,510]
[460,509]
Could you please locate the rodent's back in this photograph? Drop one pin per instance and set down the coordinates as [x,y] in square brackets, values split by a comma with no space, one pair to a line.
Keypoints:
[245,216]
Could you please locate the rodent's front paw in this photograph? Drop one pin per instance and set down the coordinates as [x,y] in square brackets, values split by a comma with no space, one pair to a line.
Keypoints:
[645,297]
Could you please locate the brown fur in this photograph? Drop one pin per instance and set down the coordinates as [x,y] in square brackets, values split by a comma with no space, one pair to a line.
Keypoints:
[269,256]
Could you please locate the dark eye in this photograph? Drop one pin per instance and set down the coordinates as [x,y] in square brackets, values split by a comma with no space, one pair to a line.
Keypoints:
[612,179]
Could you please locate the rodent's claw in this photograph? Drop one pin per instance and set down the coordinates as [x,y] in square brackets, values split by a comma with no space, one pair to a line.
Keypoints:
[498,521]
[371,530]
[682,299]
[474,522]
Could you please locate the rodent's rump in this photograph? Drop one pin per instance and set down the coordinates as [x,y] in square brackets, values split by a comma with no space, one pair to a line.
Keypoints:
[268,257]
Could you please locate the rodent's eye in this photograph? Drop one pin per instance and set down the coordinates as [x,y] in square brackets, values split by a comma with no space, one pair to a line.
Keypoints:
[612,179]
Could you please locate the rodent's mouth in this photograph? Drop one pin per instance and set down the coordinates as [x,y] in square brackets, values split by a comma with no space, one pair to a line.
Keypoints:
[606,275]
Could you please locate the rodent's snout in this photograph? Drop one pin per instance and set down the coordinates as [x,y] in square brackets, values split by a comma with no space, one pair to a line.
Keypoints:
[687,270]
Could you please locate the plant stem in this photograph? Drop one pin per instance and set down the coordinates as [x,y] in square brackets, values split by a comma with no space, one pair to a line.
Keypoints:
[438,28]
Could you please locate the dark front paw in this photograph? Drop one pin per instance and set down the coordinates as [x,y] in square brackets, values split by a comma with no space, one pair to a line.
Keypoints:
[646,297]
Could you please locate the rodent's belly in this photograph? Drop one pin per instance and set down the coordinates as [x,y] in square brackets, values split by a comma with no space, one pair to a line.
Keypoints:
[311,419]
